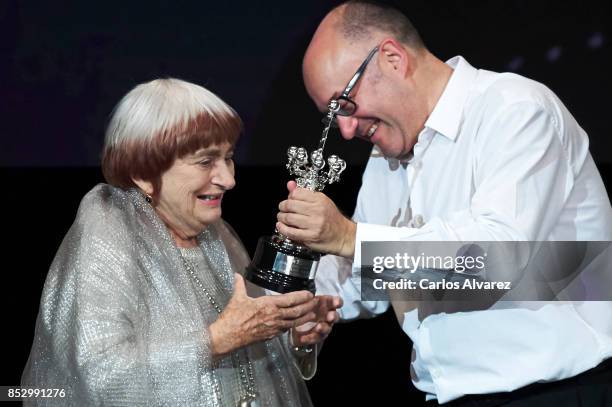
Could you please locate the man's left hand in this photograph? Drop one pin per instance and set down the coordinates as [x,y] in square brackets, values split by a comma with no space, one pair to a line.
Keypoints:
[314,220]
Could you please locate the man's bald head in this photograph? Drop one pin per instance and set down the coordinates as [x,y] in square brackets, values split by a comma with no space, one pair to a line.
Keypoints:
[361,20]
[397,88]
[347,34]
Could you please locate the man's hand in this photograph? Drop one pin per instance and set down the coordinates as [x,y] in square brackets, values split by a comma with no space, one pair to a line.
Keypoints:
[247,320]
[314,220]
[317,331]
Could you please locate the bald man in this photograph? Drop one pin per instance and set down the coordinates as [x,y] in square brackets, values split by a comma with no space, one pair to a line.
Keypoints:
[463,154]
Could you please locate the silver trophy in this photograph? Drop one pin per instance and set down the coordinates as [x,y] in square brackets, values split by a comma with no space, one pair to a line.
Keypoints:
[282,265]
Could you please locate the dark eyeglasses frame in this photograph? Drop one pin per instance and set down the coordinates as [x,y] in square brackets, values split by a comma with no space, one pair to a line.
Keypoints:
[335,107]
[347,91]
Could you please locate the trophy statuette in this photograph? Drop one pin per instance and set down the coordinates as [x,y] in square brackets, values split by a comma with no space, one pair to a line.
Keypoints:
[280,264]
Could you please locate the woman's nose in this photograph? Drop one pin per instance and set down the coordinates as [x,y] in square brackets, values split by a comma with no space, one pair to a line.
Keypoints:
[224,175]
[348,126]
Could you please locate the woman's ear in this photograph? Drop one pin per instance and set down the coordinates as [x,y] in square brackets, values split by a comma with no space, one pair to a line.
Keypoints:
[145,186]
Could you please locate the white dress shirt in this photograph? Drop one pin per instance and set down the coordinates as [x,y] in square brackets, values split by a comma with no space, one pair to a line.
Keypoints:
[500,159]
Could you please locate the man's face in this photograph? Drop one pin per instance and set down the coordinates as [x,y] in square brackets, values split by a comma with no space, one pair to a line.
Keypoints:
[383,114]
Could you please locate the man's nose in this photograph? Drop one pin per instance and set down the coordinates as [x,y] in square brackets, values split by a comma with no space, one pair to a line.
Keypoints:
[348,126]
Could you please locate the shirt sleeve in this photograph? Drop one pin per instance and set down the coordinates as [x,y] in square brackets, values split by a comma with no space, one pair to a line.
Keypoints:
[339,276]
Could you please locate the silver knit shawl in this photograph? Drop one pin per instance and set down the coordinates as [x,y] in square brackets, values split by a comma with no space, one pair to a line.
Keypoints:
[122,323]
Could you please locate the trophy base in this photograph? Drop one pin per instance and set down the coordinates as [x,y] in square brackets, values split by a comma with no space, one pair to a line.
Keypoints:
[282,266]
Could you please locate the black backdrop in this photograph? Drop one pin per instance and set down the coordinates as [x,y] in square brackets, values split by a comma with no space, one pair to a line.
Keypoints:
[65,67]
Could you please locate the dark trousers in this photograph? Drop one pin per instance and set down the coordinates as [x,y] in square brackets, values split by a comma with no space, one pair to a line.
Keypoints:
[592,388]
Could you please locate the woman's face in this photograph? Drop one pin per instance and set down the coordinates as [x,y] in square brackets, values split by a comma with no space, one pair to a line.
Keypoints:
[192,189]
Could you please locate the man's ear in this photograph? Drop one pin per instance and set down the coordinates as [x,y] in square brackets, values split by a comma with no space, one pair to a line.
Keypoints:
[145,186]
[395,59]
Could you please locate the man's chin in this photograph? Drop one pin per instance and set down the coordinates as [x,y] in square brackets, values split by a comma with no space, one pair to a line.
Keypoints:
[394,153]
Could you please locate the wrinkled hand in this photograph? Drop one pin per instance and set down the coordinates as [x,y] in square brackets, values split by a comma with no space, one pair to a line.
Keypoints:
[316,332]
[247,320]
[314,220]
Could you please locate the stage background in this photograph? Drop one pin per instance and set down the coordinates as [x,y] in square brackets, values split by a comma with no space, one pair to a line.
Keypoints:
[64,68]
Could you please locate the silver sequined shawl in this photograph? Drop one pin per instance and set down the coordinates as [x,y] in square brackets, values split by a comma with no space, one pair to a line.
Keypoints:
[122,323]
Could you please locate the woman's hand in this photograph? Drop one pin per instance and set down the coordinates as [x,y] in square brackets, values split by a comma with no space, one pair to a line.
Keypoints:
[316,332]
[246,320]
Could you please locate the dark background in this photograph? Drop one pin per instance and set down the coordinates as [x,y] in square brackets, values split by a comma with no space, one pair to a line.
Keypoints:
[64,68]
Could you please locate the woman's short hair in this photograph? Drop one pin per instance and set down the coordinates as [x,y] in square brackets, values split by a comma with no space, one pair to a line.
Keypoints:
[160,121]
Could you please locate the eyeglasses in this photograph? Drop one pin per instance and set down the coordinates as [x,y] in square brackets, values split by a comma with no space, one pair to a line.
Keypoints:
[344,105]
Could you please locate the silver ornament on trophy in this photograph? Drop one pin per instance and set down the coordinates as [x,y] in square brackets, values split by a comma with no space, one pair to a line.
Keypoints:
[280,264]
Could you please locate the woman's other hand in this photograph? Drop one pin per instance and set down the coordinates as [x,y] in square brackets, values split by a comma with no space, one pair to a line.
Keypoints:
[316,332]
[247,320]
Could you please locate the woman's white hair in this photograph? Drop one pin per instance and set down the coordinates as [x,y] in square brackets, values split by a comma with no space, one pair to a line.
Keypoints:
[156,107]
[158,121]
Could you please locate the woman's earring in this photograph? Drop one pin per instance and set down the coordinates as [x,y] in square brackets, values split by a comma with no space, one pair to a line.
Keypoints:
[148,198]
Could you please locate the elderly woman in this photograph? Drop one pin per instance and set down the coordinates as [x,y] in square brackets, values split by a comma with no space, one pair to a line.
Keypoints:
[143,304]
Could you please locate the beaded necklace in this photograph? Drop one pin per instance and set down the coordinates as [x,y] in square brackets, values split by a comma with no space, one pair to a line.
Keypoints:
[247,381]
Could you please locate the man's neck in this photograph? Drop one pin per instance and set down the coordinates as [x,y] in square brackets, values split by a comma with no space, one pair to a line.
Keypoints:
[435,75]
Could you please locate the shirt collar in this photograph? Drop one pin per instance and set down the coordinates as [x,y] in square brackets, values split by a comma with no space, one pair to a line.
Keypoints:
[447,115]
